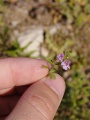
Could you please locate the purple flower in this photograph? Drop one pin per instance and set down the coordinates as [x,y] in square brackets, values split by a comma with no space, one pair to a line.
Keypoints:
[66,64]
[60,57]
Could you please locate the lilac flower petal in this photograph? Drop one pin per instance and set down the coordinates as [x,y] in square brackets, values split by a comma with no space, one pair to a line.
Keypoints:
[66,64]
[68,61]
[68,67]
[65,67]
[63,63]
[60,57]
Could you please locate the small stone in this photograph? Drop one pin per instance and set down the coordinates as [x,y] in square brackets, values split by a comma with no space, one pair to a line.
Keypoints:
[34,35]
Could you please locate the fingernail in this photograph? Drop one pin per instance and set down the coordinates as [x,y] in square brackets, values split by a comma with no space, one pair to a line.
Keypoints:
[58,85]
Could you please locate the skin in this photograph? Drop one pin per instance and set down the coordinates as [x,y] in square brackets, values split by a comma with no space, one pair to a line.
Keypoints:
[25,92]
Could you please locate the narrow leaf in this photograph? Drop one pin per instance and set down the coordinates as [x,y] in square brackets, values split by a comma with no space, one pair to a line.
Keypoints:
[45,66]
[52,70]
[50,61]
[52,76]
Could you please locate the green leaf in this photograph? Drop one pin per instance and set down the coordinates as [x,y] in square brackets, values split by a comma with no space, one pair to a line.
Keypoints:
[52,76]
[52,70]
[45,66]
[26,46]
[50,61]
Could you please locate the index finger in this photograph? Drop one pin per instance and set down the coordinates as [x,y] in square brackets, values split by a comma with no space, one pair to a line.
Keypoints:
[20,71]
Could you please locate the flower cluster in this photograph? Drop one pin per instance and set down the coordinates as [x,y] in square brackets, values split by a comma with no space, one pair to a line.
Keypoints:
[64,63]
[61,59]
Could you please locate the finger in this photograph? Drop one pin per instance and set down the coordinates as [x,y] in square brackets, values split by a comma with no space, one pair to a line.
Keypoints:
[2,117]
[21,89]
[7,103]
[7,91]
[20,71]
[14,90]
[40,101]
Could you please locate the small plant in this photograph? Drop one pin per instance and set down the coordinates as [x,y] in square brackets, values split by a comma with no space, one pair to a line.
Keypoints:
[61,59]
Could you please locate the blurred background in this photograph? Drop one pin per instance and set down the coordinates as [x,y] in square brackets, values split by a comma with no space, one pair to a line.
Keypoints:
[44,28]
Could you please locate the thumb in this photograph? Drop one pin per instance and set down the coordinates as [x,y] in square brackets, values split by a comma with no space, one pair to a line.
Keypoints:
[40,101]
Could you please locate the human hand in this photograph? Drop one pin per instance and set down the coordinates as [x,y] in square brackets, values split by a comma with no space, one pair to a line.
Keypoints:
[25,92]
